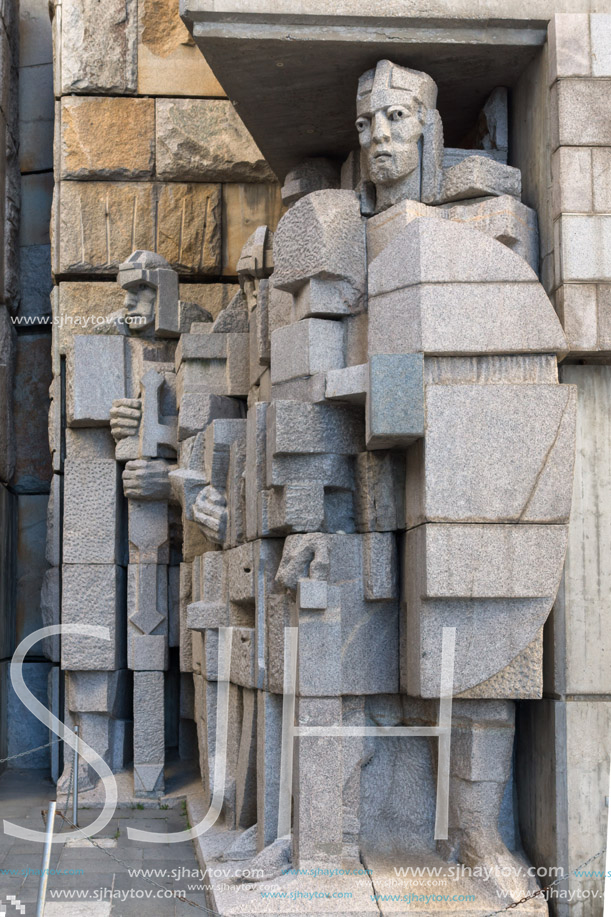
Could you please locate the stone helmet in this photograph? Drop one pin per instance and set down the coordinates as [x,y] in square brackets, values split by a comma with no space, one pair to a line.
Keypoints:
[256,258]
[389,84]
[152,269]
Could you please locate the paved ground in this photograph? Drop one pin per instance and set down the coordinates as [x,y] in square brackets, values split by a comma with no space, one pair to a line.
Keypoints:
[105,888]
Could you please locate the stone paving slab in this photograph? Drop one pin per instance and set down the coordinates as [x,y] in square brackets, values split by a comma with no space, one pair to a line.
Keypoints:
[112,891]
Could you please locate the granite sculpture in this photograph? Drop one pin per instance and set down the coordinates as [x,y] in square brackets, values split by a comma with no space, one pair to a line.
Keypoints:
[369,444]
[121,560]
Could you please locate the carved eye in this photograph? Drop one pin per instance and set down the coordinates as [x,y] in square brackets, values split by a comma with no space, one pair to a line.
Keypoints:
[362,124]
[397,114]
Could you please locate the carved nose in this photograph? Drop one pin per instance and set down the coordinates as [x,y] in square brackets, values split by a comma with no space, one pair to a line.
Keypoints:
[381,130]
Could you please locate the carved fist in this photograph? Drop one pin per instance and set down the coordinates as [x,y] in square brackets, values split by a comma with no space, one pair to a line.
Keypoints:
[210,513]
[125,415]
[303,556]
[147,480]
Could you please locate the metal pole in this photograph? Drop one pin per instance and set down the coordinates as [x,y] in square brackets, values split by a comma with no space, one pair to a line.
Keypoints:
[46,859]
[75,773]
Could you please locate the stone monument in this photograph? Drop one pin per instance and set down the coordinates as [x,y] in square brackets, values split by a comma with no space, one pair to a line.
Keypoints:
[404,466]
[367,449]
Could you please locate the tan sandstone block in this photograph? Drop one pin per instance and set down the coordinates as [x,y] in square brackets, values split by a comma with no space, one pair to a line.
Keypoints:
[245,207]
[205,138]
[169,63]
[189,227]
[99,224]
[107,137]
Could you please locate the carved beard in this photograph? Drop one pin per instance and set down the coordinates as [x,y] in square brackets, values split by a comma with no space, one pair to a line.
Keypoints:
[398,165]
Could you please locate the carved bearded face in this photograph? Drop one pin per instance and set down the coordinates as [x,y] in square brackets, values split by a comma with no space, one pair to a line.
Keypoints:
[389,137]
[140,306]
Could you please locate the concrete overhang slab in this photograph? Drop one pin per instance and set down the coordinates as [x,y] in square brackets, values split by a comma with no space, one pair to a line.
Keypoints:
[291,68]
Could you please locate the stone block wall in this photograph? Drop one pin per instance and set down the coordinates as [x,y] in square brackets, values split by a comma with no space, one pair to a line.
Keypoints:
[564,746]
[580,128]
[9,288]
[26,315]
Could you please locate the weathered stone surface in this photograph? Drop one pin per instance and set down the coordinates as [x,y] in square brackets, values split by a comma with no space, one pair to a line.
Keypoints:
[35,280]
[524,432]
[99,692]
[521,679]
[569,738]
[579,113]
[395,400]
[110,138]
[348,384]
[36,198]
[503,218]
[149,748]
[245,207]
[310,428]
[457,573]
[89,396]
[584,244]
[463,318]
[197,411]
[572,177]
[94,594]
[85,306]
[31,399]
[50,611]
[601,179]
[116,219]
[379,491]
[323,236]
[96,53]
[600,31]
[34,34]
[169,63]
[477,176]
[31,563]
[569,43]
[205,139]
[7,429]
[318,803]
[214,297]
[577,309]
[269,727]
[36,117]
[578,638]
[92,512]
[305,348]
[25,730]
[442,251]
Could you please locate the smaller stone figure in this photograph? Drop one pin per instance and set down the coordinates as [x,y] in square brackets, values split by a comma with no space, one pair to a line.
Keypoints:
[135,388]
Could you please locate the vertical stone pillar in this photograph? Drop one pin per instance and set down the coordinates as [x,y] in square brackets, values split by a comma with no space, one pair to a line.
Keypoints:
[580,128]
[565,740]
